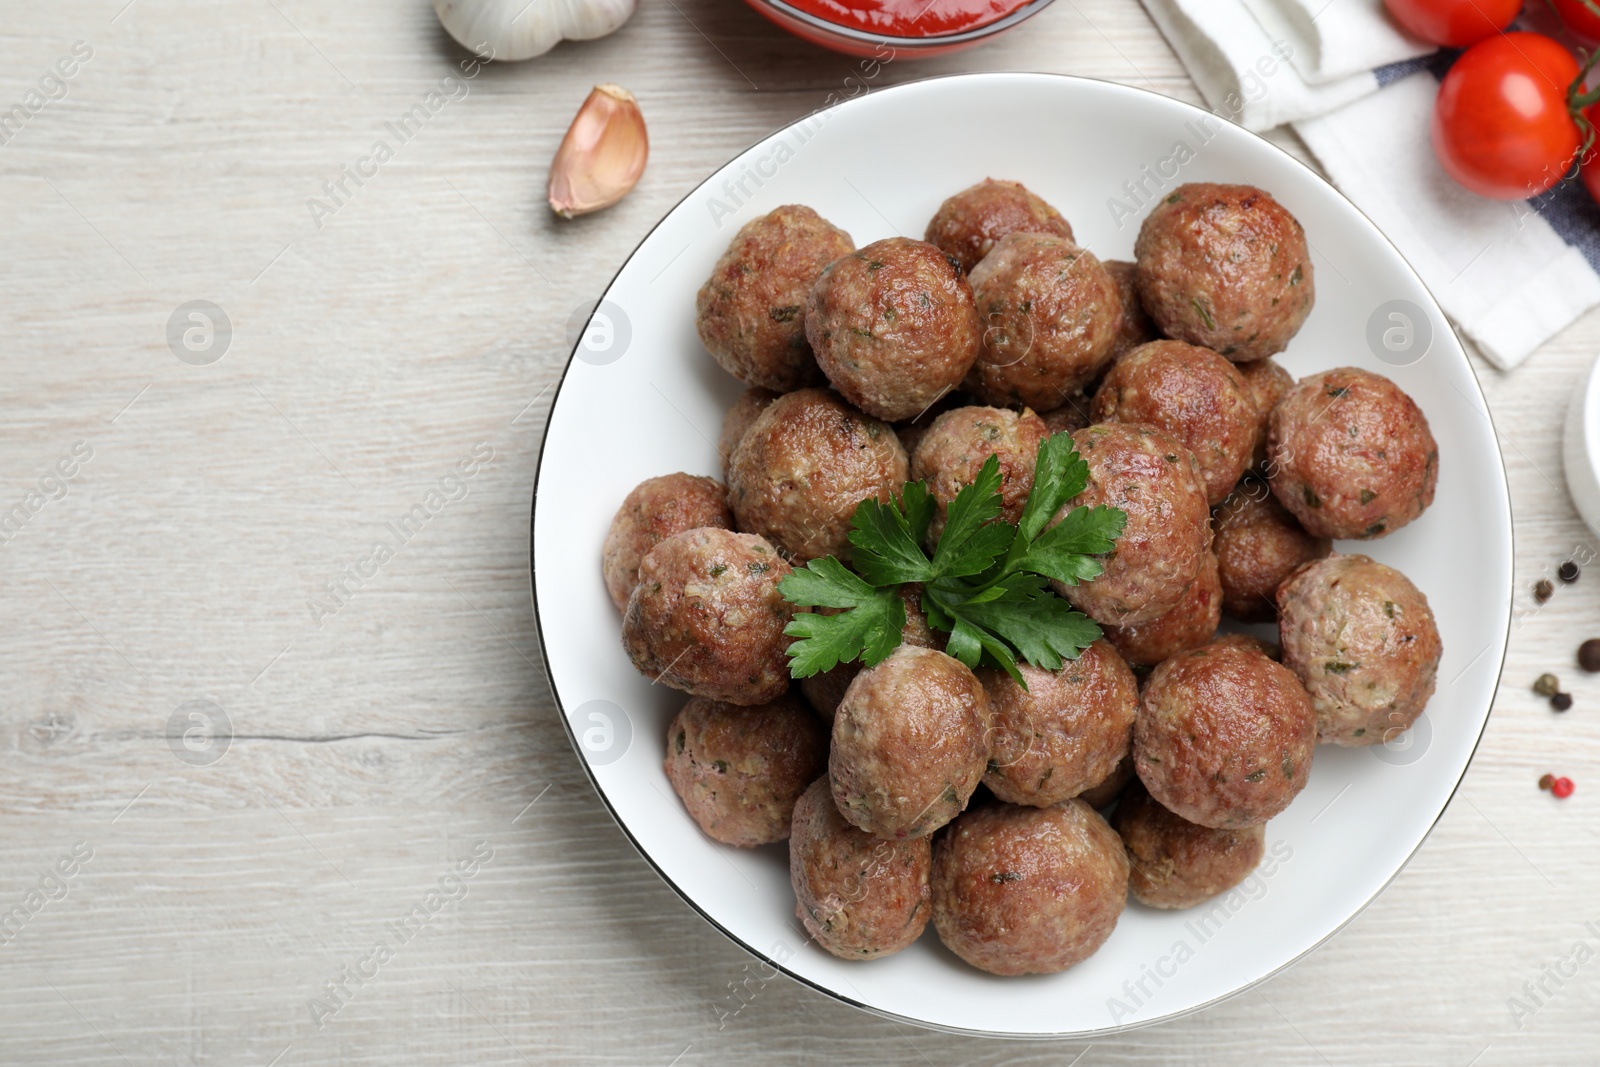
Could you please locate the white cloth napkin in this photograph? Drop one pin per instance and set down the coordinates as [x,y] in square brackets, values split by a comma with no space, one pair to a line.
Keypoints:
[1360,94]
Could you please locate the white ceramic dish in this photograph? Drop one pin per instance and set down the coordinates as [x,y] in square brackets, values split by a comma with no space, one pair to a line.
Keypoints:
[1580,453]
[642,398]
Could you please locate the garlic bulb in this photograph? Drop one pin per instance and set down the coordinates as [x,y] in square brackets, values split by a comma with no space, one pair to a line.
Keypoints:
[602,155]
[519,29]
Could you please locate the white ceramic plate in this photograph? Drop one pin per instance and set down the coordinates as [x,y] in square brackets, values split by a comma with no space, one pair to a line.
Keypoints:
[641,398]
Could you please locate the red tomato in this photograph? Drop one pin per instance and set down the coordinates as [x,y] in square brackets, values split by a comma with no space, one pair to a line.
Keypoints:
[1580,17]
[1501,126]
[1590,168]
[1456,23]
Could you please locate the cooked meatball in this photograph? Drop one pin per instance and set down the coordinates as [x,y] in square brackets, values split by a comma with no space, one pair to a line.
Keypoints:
[1028,890]
[1137,329]
[825,690]
[912,430]
[1177,864]
[859,896]
[1363,641]
[893,327]
[1225,267]
[656,509]
[1224,736]
[1191,624]
[1351,455]
[1156,481]
[1070,417]
[802,468]
[739,770]
[1051,315]
[1268,381]
[1193,394]
[1063,734]
[1258,545]
[751,311]
[967,226]
[958,444]
[1252,644]
[909,743]
[1101,795]
[751,403]
[707,617]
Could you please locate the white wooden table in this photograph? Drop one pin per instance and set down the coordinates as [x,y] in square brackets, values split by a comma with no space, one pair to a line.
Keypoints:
[201,550]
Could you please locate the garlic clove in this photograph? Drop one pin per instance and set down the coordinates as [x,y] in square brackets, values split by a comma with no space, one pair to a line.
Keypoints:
[602,155]
[520,29]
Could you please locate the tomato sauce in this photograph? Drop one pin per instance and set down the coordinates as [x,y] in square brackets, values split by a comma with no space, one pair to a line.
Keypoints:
[909,18]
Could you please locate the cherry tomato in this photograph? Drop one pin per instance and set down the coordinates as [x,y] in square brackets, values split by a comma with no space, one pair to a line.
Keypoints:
[1580,17]
[1456,23]
[1501,126]
[1589,170]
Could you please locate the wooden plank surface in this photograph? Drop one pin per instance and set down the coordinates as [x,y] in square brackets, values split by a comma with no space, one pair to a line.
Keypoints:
[377,748]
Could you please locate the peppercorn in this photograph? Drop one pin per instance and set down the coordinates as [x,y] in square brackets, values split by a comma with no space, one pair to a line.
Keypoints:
[1546,781]
[1589,655]
[1567,572]
[1547,685]
[1561,701]
[1562,787]
[1542,589]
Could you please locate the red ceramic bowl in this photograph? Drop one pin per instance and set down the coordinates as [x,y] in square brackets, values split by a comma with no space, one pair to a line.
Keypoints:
[857,41]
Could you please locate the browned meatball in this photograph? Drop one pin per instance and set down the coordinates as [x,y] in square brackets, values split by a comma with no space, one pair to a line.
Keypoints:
[825,690]
[968,225]
[739,770]
[1156,481]
[802,468]
[656,509]
[893,327]
[859,896]
[1051,315]
[1070,417]
[1028,890]
[1224,736]
[737,422]
[751,311]
[912,430]
[1137,329]
[955,448]
[1191,624]
[1063,734]
[1225,267]
[1268,381]
[1258,545]
[707,617]
[1101,795]
[1193,394]
[909,743]
[1177,864]
[1363,641]
[1251,644]
[1351,455]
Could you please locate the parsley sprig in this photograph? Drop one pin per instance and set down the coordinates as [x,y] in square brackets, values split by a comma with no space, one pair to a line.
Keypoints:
[986,584]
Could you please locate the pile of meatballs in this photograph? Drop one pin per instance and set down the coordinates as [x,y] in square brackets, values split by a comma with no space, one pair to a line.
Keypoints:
[919,360]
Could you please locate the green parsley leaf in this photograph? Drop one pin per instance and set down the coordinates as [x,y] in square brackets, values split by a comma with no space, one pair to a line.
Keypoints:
[971,540]
[869,630]
[888,537]
[1027,616]
[973,644]
[1059,474]
[1066,550]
